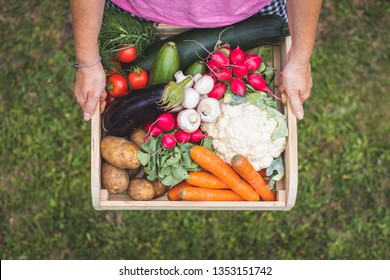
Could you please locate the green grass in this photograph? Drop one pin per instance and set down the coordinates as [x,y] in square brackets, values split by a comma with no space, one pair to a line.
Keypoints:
[344,157]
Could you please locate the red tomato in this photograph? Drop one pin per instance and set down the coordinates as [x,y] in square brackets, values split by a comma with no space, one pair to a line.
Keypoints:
[127,53]
[116,85]
[138,78]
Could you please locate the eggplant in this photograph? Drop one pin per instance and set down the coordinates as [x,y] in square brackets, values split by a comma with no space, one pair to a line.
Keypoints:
[133,110]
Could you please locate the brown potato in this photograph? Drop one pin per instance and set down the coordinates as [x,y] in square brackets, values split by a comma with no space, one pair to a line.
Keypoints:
[141,189]
[138,136]
[120,152]
[133,172]
[114,179]
[159,188]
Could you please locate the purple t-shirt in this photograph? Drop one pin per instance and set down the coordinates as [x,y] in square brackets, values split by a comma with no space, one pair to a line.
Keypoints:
[196,13]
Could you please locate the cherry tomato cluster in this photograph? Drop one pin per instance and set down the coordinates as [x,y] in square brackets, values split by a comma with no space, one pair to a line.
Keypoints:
[235,69]
[118,84]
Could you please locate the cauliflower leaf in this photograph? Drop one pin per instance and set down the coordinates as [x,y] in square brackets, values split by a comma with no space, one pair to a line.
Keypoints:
[275,171]
[281,129]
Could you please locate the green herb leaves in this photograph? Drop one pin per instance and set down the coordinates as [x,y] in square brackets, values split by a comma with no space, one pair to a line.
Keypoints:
[170,166]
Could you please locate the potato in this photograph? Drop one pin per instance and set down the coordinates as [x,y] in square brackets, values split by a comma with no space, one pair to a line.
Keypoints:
[120,152]
[141,189]
[133,172]
[138,136]
[159,188]
[114,179]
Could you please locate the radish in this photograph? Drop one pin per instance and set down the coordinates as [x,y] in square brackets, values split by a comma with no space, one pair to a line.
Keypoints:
[152,129]
[258,83]
[252,62]
[237,56]
[166,121]
[219,59]
[238,86]
[155,131]
[196,136]
[168,141]
[212,66]
[225,74]
[182,136]
[149,125]
[218,91]
[240,71]
[225,49]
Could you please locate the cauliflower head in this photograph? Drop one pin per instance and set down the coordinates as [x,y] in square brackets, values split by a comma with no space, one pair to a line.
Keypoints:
[258,133]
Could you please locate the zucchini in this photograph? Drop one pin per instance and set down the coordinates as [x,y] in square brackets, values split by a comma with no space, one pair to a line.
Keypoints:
[198,67]
[133,110]
[248,34]
[165,64]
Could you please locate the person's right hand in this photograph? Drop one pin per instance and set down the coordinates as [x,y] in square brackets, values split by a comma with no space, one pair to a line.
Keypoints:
[90,88]
[295,84]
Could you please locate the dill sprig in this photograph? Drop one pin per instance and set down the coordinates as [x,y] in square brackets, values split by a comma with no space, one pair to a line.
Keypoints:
[121,28]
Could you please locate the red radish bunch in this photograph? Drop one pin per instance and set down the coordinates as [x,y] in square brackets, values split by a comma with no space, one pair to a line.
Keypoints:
[238,86]
[182,136]
[218,91]
[237,56]
[196,136]
[168,141]
[234,69]
[165,125]
[252,62]
[219,59]
[166,121]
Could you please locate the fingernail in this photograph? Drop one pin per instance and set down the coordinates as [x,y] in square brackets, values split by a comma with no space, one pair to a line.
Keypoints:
[300,115]
[87,116]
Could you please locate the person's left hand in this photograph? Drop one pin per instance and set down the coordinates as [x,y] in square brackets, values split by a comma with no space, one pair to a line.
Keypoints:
[295,84]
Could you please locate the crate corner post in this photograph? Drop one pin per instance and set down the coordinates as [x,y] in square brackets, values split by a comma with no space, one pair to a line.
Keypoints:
[96,158]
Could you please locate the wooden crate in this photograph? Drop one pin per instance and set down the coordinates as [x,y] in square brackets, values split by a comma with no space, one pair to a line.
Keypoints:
[286,189]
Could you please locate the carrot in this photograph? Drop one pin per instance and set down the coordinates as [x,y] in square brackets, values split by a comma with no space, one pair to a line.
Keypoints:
[246,170]
[173,193]
[204,194]
[212,163]
[205,180]
[263,173]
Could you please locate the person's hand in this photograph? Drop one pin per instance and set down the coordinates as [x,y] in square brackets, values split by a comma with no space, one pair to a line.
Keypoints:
[89,88]
[295,84]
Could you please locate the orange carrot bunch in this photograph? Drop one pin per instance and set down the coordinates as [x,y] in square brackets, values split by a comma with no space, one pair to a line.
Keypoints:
[212,163]
[221,182]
